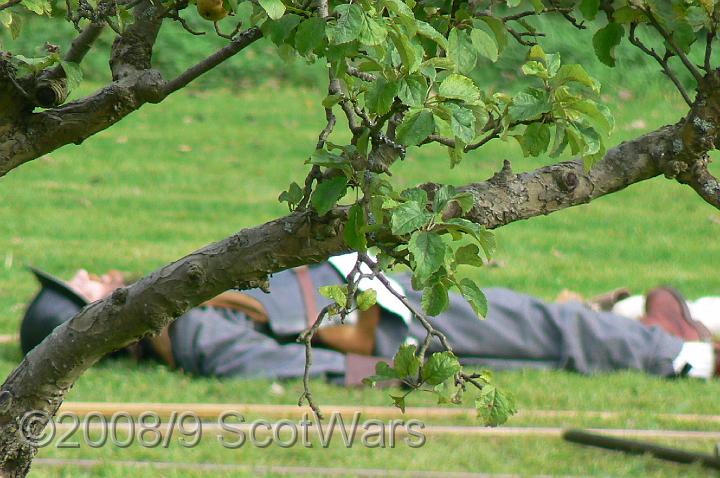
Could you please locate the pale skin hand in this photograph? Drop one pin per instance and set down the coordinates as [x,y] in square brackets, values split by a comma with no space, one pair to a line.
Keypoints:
[93,287]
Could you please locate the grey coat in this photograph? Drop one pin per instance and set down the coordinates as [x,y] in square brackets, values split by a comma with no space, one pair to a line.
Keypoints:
[519,331]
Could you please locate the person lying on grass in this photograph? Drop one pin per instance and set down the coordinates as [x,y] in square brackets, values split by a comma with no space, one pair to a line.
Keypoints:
[253,333]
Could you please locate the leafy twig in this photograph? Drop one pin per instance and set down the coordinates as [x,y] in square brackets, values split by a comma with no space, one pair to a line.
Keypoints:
[431,331]
[671,41]
[306,338]
[662,61]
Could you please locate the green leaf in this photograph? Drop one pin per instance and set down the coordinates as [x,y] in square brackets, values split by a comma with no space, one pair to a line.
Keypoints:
[328,193]
[292,196]
[383,371]
[597,115]
[6,18]
[462,122]
[410,57]
[366,299]
[405,362]
[415,194]
[348,26]
[415,127]
[353,232]
[124,17]
[399,8]
[279,30]
[456,153]
[41,7]
[459,87]
[408,217]
[498,28]
[474,296]
[429,253]
[435,299]
[379,98]
[331,100]
[605,40]
[576,73]
[465,200]
[469,254]
[372,32]
[338,293]
[412,90]
[461,51]
[484,44]
[440,367]
[274,8]
[535,140]
[363,142]
[73,74]
[399,401]
[493,406]
[310,35]
[485,238]
[322,157]
[589,8]
[529,104]
[428,31]
[535,68]
[443,196]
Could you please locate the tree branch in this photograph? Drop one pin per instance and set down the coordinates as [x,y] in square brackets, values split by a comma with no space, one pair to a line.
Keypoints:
[43,132]
[662,61]
[132,51]
[671,41]
[243,40]
[81,45]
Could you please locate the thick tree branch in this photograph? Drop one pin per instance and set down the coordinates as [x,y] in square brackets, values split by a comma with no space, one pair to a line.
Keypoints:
[51,87]
[43,132]
[703,182]
[81,45]
[132,51]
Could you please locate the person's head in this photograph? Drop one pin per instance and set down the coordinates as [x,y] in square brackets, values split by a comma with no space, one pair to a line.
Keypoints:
[59,301]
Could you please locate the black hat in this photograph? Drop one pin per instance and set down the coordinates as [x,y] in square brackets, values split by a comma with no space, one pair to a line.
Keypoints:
[54,304]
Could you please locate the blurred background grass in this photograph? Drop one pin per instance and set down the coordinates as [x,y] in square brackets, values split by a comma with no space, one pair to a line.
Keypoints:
[212,159]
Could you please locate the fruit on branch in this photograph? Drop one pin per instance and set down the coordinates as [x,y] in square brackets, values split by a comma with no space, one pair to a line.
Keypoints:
[212,10]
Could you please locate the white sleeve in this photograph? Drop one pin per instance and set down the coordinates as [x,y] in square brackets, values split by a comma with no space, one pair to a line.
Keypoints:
[344,265]
[633,307]
[707,311]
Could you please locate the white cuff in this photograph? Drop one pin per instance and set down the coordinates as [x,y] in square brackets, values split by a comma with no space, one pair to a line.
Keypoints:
[700,356]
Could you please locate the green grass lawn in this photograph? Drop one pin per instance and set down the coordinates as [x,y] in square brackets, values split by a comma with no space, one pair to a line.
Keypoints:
[203,165]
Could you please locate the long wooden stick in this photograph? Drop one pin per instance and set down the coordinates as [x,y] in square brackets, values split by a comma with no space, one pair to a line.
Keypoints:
[427,430]
[637,447]
[213,410]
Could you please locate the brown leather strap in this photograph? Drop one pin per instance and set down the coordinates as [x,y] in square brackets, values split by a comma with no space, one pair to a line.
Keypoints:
[244,303]
[308,292]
